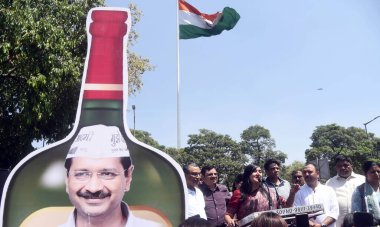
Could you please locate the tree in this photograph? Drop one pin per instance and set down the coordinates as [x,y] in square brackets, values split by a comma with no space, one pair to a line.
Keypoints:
[146,137]
[178,155]
[328,141]
[259,146]
[42,51]
[221,151]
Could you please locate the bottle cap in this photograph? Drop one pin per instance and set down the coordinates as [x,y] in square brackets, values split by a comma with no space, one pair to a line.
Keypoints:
[99,141]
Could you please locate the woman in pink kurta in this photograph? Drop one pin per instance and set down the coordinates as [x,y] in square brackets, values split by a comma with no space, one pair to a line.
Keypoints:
[251,197]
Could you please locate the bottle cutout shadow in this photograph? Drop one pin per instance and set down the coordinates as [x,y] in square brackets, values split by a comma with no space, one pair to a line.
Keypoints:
[36,185]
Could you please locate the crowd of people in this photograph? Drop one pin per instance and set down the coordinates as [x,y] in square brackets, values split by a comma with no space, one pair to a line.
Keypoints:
[348,199]
[99,173]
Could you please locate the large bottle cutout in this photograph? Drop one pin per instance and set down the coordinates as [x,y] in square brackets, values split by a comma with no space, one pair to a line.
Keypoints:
[36,189]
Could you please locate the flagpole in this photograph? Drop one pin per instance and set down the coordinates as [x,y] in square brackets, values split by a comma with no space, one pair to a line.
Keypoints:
[178,85]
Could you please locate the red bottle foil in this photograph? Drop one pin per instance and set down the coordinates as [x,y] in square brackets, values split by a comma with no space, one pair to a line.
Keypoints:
[104,80]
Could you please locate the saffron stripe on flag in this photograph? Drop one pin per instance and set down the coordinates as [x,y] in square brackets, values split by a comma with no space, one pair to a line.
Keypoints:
[186,7]
[194,25]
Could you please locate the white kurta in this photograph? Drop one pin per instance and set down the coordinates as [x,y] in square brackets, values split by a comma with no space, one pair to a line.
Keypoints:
[322,195]
[195,203]
[344,188]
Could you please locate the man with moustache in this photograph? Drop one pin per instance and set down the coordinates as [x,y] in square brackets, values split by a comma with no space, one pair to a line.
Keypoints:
[99,172]
[313,192]
[344,184]
[297,177]
[195,204]
[215,196]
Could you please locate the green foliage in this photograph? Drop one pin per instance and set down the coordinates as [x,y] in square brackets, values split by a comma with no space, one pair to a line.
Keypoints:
[221,151]
[177,154]
[42,50]
[137,64]
[328,141]
[146,138]
[258,145]
[210,148]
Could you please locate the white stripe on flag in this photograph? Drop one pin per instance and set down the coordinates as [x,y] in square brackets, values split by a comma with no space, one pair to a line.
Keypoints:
[187,18]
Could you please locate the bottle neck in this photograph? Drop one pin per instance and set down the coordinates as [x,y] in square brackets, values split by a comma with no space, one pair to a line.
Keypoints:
[107,112]
[103,89]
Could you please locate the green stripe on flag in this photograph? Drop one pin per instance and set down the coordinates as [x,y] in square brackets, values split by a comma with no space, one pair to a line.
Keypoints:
[227,21]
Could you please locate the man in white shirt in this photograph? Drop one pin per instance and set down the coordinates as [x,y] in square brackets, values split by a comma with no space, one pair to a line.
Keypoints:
[313,192]
[344,184]
[195,204]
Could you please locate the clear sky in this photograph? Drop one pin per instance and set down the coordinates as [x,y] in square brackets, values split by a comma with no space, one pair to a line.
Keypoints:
[288,66]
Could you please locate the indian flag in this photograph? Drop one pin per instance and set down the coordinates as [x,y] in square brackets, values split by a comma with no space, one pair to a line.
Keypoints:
[194,24]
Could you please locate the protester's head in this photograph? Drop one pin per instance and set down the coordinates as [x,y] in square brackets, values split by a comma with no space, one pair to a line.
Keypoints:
[209,175]
[192,174]
[348,220]
[237,182]
[252,177]
[269,219]
[99,171]
[297,177]
[343,166]
[195,221]
[371,171]
[272,168]
[310,174]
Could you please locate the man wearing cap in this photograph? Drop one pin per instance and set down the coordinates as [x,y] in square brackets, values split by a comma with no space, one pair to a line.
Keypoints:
[99,172]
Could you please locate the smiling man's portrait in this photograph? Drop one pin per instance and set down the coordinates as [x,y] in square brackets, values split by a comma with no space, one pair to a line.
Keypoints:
[99,172]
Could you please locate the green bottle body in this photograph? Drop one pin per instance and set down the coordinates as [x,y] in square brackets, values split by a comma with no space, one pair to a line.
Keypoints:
[157,180]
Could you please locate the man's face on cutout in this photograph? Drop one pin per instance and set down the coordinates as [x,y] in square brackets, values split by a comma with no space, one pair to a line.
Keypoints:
[96,186]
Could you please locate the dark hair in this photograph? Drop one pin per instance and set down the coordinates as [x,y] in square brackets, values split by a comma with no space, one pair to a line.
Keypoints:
[246,187]
[269,162]
[126,162]
[238,178]
[295,171]
[195,221]
[269,219]
[185,168]
[342,158]
[207,168]
[348,220]
[368,164]
[310,163]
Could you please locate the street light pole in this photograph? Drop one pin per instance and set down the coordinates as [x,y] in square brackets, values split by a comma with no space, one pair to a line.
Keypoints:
[365,124]
[134,119]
